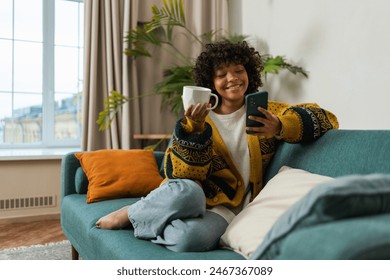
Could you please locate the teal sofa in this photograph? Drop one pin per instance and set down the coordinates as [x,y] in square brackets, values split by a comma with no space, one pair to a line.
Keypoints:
[338,153]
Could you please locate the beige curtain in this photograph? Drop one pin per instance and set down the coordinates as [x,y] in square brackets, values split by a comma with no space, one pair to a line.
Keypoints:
[107,68]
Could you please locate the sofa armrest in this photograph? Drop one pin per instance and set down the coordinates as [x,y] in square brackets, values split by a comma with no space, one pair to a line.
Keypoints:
[362,238]
[344,206]
[160,161]
[69,166]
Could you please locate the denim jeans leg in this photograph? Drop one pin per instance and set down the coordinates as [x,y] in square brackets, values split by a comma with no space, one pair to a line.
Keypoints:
[175,199]
[193,234]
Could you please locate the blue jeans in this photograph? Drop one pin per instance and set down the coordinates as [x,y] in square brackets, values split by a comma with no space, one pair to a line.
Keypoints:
[175,215]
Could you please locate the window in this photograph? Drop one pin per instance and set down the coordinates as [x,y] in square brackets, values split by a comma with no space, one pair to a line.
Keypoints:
[41,70]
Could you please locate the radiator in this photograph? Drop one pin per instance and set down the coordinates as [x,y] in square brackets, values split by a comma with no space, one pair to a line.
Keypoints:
[28,202]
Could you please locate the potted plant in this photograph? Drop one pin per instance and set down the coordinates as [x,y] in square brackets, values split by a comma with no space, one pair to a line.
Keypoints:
[159,32]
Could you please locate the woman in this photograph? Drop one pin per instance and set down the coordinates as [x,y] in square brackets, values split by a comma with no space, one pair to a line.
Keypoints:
[213,168]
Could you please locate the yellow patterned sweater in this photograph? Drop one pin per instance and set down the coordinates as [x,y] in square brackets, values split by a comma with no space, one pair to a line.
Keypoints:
[198,152]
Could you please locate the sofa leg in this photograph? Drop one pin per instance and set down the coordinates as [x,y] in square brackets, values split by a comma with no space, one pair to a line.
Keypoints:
[75,254]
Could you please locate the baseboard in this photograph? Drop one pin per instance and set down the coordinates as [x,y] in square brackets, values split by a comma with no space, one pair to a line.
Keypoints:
[26,219]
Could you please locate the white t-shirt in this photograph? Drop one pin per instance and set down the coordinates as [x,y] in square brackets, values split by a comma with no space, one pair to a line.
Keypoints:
[232,129]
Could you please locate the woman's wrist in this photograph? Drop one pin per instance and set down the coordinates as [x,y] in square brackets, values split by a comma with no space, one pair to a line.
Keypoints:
[192,126]
[279,134]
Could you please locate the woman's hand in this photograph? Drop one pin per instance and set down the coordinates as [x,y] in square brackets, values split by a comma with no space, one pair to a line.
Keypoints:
[271,124]
[198,112]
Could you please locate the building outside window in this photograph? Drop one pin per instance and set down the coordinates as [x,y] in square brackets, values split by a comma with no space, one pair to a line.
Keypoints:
[41,71]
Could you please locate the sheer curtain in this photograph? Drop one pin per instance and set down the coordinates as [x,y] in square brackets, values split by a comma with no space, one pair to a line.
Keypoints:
[107,68]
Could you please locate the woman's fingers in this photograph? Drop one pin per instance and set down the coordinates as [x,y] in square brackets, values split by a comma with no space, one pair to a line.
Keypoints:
[271,124]
[197,112]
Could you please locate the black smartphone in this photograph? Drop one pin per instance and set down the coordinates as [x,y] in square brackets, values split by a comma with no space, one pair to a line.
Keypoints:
[254,100]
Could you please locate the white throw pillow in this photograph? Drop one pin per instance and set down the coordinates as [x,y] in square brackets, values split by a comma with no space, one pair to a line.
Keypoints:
[249,227]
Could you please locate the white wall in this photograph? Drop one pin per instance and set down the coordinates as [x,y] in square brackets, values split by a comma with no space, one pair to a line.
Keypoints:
[343,44]
[30,178]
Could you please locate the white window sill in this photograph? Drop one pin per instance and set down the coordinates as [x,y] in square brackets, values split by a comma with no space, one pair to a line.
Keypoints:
[35,154]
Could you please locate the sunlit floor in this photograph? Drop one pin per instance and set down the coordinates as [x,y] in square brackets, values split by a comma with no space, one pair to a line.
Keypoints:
[30,233]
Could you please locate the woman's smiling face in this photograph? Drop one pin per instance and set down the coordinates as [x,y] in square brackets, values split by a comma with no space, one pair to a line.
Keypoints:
[231,82]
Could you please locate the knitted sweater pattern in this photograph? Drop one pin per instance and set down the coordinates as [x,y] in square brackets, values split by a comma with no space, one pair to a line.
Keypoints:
[198,151]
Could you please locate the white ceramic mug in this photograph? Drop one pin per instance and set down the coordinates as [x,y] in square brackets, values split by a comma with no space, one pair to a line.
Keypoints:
[194,95]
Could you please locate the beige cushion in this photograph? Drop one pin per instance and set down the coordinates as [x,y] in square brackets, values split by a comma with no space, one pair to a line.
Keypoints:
[248,228]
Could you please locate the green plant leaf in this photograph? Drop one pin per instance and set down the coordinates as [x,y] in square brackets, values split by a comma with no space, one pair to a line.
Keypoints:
[171,86]
[275,64]
[235,38]
[111,106]
[138,39]
[171,14]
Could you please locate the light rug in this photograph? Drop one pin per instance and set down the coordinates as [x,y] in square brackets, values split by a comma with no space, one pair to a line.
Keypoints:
[50,251]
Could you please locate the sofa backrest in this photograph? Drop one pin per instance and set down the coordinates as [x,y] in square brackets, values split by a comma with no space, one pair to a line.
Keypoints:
[337,153]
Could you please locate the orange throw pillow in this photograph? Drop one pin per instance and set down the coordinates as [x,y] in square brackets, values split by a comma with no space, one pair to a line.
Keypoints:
[119,173]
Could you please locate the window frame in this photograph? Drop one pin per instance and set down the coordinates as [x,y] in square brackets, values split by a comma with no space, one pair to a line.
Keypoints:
[48,140]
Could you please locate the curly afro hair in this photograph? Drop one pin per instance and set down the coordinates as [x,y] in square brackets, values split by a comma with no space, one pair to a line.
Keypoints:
[226,53]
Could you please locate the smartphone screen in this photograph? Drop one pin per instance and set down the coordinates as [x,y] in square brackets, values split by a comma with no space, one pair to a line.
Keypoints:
[252,101]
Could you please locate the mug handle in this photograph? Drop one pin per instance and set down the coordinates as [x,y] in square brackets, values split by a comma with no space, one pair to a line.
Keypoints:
[216,101]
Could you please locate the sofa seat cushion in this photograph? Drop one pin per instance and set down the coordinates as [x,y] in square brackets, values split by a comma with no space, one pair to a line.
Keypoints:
[121,244]
[78,220]
[345,198]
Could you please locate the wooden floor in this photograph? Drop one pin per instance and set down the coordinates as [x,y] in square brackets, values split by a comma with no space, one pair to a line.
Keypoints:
[30,233]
